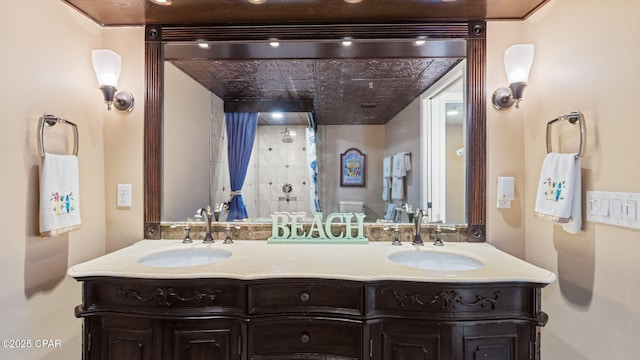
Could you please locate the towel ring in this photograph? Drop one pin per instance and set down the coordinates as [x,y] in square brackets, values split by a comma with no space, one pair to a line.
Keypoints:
[51,120]
[572,117]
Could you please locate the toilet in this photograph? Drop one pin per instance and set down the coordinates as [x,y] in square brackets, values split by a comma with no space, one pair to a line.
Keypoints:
[351,206]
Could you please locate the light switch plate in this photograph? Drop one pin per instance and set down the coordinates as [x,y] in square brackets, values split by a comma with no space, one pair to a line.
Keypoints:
[613,208]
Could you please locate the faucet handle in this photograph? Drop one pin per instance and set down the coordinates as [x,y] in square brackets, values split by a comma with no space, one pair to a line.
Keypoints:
[439,228]
[438,232]
[227,234]
[396,236]
[187,231]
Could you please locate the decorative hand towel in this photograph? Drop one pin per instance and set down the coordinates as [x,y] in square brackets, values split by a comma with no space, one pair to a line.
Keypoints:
[385,188]
[397,188]
[59,196]
[386,177]
[559,191]
[399,167]
[386,166]
[400,164]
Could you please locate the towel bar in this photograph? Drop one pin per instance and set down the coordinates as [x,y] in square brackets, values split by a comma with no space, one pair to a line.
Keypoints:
[51,120]
[572,117]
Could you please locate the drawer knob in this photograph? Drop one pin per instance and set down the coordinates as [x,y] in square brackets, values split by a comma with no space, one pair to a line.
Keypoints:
[305,337]
[305,296]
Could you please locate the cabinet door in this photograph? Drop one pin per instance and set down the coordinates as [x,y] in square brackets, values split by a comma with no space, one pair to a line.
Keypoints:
[202,339]
[130,339]
[406,339]
[496,342]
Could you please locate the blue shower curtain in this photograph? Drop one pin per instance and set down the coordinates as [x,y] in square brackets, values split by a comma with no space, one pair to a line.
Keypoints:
[312,161]
[241,132]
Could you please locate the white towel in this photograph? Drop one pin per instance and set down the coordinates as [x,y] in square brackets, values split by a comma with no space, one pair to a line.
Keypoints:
[59,196]
[386,177]
[385,188]
[399,167]
[407,161]
[397,188]
[400,164]
[559,191]
[386,167]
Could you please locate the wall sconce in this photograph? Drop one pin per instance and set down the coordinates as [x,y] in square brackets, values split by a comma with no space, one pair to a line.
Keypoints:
[517,63]
[107,65]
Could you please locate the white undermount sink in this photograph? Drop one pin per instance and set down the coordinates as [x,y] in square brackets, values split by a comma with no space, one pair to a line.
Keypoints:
[431,260]
[185,257]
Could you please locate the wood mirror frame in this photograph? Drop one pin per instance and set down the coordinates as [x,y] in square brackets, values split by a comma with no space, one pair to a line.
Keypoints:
[472,31]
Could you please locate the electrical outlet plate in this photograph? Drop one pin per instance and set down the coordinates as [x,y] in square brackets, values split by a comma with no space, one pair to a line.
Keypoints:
[613,208]
[124,195]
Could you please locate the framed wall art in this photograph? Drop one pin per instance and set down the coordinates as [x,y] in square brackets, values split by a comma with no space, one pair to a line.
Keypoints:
[352,168]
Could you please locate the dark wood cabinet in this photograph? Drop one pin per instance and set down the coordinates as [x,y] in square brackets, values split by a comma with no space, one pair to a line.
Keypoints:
[410,339]
[308,319]
[202,339]
[114,338]
[497,342]
[122,338]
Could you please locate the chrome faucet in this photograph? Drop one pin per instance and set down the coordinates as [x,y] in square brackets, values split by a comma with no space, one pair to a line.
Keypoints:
[417,240]
[206,213]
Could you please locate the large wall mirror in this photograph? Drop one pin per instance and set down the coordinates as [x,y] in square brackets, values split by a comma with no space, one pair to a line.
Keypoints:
[184,171]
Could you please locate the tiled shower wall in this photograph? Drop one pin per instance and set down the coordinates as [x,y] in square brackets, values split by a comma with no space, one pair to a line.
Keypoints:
[275,161]
[219,165]
[281,161]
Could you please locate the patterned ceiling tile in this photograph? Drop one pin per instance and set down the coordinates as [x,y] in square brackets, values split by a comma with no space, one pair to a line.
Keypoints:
[344,91]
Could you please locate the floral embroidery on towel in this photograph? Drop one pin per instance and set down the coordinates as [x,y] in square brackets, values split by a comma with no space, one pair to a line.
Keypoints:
[555,190]
[62,204]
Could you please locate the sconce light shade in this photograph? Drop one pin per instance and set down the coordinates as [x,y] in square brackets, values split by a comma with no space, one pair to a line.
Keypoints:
[517,63]
[107,65]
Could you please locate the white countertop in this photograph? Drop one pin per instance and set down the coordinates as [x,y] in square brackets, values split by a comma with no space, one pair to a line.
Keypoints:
[252,259]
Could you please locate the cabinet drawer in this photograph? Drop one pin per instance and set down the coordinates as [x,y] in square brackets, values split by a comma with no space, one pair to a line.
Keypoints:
[329,338]
[439,301]
[192,297]
[335,297]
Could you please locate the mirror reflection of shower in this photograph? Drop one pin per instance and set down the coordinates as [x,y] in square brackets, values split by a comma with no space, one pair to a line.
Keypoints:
[287,135]
[279,168]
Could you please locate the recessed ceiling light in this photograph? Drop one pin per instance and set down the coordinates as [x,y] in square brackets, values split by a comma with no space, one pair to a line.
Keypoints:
[277,115]
[419,42]
[346,42]
[162,2]
[352,1]
[257,1]
[203,45]
[274,43]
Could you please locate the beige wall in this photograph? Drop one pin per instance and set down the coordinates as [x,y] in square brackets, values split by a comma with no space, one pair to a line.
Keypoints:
[46,67]
[336,139]
[187,118]
[402,134]
[586,58]
[123,141]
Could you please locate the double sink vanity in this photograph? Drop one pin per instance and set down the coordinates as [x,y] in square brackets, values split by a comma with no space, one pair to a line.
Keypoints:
[162,299]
